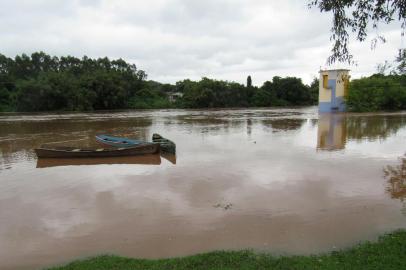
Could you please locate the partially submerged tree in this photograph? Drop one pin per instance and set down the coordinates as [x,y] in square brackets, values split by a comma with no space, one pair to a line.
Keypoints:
[356,16]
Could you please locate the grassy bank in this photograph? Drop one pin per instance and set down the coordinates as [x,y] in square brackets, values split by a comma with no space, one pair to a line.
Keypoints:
[387,253]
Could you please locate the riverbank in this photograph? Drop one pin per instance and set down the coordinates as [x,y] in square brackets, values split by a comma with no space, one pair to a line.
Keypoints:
[389,252]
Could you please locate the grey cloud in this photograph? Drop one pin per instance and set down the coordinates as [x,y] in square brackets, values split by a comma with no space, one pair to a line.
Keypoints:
[176,39]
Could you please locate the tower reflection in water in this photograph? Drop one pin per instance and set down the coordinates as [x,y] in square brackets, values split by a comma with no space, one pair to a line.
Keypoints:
[332,131]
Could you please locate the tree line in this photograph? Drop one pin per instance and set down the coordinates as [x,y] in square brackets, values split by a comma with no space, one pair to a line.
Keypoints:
[41,82]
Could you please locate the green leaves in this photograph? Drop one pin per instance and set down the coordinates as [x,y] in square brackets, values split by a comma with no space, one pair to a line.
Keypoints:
[356,16]
[377,92]
[41,82]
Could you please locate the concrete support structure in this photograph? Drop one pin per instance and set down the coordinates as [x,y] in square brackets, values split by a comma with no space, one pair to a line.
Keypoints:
[333,88]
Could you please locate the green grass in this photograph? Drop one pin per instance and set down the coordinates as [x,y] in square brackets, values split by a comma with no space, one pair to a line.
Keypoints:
[389,252]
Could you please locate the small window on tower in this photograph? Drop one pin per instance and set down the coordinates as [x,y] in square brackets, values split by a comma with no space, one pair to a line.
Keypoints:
[325,81]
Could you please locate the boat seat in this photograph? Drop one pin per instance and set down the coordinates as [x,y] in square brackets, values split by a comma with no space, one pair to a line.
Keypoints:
[100,149]
[76,150]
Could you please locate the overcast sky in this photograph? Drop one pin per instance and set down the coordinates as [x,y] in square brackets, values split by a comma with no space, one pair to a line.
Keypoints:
[177,39]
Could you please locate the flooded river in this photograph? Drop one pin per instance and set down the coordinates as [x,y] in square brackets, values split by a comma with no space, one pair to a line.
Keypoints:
[286,181]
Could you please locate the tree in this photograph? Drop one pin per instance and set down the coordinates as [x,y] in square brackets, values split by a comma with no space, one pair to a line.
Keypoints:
[261,98]
[4,98]
[384,68]
[314,90]
[396,67]
[291,90]
[401,62]
[33,95]
[356,16]
[249,81]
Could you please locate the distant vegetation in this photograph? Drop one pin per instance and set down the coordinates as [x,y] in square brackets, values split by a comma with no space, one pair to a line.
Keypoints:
[41,82]
[378,93]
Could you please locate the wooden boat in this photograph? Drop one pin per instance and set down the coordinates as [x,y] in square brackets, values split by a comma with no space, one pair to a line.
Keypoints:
[150,159]
[166,145]
[169,157]
[72,152]
[117,141]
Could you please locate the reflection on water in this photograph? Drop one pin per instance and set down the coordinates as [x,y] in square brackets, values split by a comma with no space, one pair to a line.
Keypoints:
[243,179]
[283,124]
[396,177]
[332,131]
[335,129]
[169,157]
[152,159]
[369,127]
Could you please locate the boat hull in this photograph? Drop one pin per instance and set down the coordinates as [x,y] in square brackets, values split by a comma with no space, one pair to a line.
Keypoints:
[70,152]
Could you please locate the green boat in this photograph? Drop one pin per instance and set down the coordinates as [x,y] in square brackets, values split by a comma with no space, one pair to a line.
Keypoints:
[166,145]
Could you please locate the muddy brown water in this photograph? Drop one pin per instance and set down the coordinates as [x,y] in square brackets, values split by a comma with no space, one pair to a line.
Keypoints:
[286,181]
